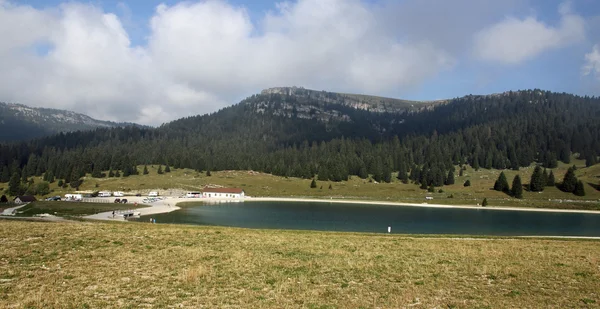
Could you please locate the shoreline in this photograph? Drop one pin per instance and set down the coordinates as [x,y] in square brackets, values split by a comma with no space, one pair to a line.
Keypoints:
[386,203]
[170,204]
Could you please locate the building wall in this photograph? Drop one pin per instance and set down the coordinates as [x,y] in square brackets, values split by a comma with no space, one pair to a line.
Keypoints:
[222,195]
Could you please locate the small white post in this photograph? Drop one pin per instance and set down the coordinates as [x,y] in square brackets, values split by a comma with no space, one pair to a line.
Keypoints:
[389,229]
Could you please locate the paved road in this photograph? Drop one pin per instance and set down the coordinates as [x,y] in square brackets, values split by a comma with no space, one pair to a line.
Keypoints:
[11,211]
[161,206]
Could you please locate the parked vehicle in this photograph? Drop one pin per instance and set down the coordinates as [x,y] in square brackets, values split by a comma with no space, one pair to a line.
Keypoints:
[104,194]
[139,194]
[124,201]
[118,193]
[153,194]
[117,200]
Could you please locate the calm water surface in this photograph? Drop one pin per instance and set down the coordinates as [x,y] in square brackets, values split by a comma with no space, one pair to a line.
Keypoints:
[376,218]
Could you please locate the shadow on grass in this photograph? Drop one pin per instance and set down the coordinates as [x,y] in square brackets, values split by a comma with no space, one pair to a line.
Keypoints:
[595,186]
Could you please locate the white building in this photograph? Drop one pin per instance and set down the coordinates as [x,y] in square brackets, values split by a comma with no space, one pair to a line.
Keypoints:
[193,194]
[223,193]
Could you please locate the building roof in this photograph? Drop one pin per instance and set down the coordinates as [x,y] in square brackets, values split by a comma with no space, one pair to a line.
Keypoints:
[26,198]
[223,190]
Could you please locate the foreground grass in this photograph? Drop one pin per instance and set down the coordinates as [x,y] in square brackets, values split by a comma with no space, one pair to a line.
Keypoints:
[94,265]
[70,208]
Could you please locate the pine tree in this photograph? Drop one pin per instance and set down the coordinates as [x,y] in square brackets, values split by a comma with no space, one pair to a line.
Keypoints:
[485,202]
[145,170]
[450,178]
[313,184]
[501,183]
[579,189]
[330,187]
[362,172]
[160,171]
[569,181]
[537,180]
[60,183]
[14,185]
[517,187]
[167,168]
[467,183]
[117,173]
[590,159]
[387,174]
[111,173]
[97,172]
[545,178]
[551,181]
[3,199]
[49,176]
[208,173]
[461,172]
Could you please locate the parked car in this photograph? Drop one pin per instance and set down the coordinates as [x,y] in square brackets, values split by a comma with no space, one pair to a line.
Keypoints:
[117,200]
[139,194]
[124,201]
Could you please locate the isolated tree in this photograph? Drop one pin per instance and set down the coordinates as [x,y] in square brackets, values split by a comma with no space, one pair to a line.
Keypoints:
[145,170]
[461,172]
[60,183]
[450,178]
[14,185]
[160,170]
[117,173]
[3,199]
[208,173]
[485,202]
[431,188]
[579,189]
[517,187]
[537,180]
[313,184]
[501,183]
[569,181]
[167,168]
[467,183]
[550,181]
[330,187]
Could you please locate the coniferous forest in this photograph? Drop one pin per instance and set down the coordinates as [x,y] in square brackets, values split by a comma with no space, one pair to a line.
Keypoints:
[307,135]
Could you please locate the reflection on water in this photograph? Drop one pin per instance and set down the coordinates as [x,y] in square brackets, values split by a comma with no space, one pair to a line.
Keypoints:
[377,218]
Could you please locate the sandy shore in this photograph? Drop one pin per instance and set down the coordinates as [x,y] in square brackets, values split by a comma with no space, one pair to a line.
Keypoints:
[158,207]
[169,205]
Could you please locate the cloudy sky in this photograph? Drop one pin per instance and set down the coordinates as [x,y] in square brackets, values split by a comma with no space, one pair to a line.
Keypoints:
[151,61]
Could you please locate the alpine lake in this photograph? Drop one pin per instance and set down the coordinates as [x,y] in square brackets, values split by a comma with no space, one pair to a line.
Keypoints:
[351,217]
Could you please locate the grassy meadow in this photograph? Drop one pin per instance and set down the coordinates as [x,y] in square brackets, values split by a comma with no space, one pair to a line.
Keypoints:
[70,208]
[136,265]
[260,184]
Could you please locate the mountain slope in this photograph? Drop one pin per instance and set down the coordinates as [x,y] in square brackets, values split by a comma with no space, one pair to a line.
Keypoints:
[298,132]
[21,122]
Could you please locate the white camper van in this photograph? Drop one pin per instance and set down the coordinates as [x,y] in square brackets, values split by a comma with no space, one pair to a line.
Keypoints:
[103,194]
[193,194]
[118,193]
[153,194]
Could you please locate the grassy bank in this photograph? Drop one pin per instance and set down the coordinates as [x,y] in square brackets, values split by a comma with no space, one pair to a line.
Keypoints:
[84,265]
[70,208]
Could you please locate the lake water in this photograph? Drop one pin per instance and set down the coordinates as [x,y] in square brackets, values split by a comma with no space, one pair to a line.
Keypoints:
[377,218]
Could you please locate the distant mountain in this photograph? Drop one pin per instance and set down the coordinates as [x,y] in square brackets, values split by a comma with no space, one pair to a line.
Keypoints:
[21,122]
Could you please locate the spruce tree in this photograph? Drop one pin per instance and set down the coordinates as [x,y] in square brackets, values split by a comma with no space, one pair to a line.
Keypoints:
[160,171]
[117,173]
[362,172]
[590,159]
[501,183]
[330,187]
[49,176]
[14,185]
[313,184]
[387,174]
[145,170]
[461,172]
[545,178]
[569,181]
[537,180]
[167,168]
[467,183]
[97,172]
[450,178]
[485,202]
[579,189]
[3,199]
[208,173]
[551,181]
[517,187]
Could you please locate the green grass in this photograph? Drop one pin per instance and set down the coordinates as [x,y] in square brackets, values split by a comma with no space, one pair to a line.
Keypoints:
[121,265]
[70,208]
[259,184]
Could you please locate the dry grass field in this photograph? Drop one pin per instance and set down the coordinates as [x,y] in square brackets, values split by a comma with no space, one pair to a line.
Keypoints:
[141,265]
[260,184]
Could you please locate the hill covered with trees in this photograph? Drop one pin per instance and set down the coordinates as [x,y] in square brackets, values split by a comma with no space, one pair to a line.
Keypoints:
[304,133]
